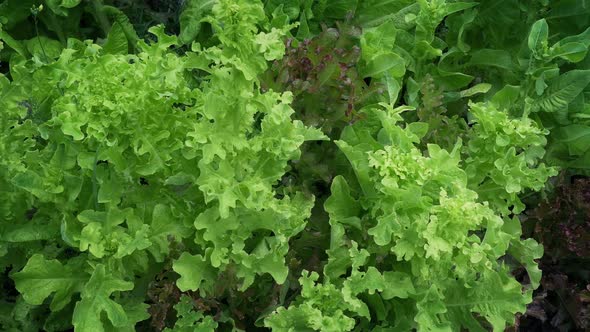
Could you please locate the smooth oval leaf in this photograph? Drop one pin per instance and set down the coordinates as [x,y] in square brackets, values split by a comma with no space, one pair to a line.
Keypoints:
[538,35]
[385,62]
[572,52]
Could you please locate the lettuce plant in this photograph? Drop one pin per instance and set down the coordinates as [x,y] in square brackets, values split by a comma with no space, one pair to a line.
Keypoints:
[411,245]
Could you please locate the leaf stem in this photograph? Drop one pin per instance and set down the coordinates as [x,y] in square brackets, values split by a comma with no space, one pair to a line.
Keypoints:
[39,39]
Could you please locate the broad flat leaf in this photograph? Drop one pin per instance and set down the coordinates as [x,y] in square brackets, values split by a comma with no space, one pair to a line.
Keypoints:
[576,137]
[193,269]
[581,163]
[136,311]
[496,296]
[35,184]
[110,191]
[563,90]
[488,57]
[430,308]
[60,6]
[497,307]
[191,19]
[453,80]
[120,19]
[42,46]
[451,8]
[40,278]
[540,85]
[568,9]
[34,230]
[180,179]
[506,97]
[69,3]
[527,252]
[476,89]
[303,32]
[291,9]
[385,62]
[116,42]
[165,225]
[338,9]
[394,87]
[398,284]
[379,39]
[374,12]
[538,35]
[96,300]
[341,205]
[16,45]
[466,19]
[583,38]
[572,52]
[360,164]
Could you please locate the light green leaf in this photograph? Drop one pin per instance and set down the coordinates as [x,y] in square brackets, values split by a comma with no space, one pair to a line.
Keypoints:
[34,230]
[385,62]
[538,36]
[44,48]
[193,270]
[271,44]
[341,205]
[527,252]
[572,52]
[96,300]
[190,319]
[40,278]
[506,97]
[476,89]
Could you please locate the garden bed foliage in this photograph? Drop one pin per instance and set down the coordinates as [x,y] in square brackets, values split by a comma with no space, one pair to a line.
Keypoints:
[300,165]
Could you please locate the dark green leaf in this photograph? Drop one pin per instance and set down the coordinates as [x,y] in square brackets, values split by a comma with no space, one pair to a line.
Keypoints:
[191,19]
[563,90]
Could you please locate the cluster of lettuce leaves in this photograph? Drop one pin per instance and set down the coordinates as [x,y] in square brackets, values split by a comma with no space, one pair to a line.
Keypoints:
[109,157]
[86,131]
